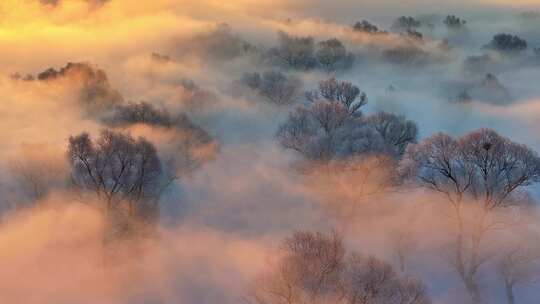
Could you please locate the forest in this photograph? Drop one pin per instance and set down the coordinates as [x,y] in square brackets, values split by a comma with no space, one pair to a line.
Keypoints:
[269,152]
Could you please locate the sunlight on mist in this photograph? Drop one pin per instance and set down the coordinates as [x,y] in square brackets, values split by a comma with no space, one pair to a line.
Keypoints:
[269,151]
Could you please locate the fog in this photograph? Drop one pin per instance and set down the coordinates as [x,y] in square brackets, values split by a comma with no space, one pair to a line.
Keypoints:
[212,87]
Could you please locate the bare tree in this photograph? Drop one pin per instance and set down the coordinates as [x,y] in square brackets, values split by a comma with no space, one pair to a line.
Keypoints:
[403,236]
[195,98]
[394,129]
[121,171]
[96,93]
[275,86]
[347,187]
[311,130]
[519,262]
[518,266]
[367,27]
[491,90]
[404,23]
[314,268]
[413,35]
[220,44]
[454,23]
[339,91]
[478,175]
[370,280]
[316,260]
[507,43]
[332,127]
[142,112]
[308,269]
[295,52]
[406,54]
[463,97]
[332,55]
[188,141]
[326,130]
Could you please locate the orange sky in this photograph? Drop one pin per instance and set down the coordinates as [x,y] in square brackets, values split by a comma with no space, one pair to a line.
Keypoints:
[75,27]
[21,19]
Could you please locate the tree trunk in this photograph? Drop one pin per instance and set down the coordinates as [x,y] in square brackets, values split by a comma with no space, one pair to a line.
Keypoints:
[401,259]
[473,290]
[509,293]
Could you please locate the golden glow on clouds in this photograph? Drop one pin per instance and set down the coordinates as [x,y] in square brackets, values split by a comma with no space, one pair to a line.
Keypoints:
[68,31]
[30,30]
[512,2]
[24,16]
[119,19]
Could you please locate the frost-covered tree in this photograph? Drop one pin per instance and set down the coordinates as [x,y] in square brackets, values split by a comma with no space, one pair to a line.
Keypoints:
[94,90]
[454,23]
[478,175]
[405,23]
[491,90]
[394,129]
[189,145]
[406,54]
[367,27]
[507,43]
[277,87]
[339,91]
[294,52]
[310,130]
[413,35]
[463,97]
[315,268]
[519,265]
[121,171]
[332,55]
[304,53]
[139,113]
[332,127]
[221,44]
